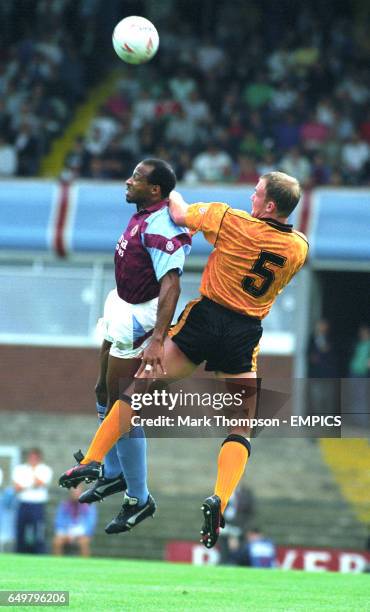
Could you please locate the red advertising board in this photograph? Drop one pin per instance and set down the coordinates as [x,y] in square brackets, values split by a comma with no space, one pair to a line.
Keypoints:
[310,559]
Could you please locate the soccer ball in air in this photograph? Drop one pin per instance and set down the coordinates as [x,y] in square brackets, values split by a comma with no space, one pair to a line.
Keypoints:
[135,40]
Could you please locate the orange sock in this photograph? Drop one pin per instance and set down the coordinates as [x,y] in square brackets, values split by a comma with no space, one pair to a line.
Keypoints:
[116,423]
[232,460]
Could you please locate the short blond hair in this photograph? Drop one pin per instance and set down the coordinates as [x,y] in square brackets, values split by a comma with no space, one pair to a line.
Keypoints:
[282,189]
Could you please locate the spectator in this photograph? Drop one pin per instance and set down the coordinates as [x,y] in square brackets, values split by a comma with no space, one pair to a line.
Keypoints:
[8,158]
[303,58]
[212,165]
[96,168]
[4,120]
[143,110]
[260,550]
[184,171]
[28,149]
[355,88]
[182,85]
[359,371]
[343,127]
[239,514]
[129,138]
[325,112]
[117,162]
[235,130]
[118,105]
[166,106]
[95,142]
[195,108]
[355,154]
[31,481]
[320,171]
[72,75]
[8,509]
[365,128]
[321,354]
[267,163]
[210,57]
[106,125]
[286,132]
[77,158]
[182,129]
[296,165]
[284,97]
[278,62]
[314,133]
[251,145]
[74,525]
[258,93]
[322,370]
[247,171]
[256,550]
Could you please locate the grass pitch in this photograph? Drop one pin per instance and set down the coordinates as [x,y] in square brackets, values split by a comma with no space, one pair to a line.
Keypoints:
[106,584]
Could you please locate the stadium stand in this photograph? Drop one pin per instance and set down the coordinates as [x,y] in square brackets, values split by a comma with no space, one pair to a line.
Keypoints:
[230,125]
[46,69]
[299,115]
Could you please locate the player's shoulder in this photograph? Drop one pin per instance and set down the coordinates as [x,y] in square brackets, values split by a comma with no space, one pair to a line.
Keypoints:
[300,236]
[242,214]
[160,222]
[208,207]
[158,218]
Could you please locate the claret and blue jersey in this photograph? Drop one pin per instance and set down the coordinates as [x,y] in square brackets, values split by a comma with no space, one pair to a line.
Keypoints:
[151,246]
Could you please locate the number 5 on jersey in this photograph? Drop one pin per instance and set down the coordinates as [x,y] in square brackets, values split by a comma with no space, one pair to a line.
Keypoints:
[268,275]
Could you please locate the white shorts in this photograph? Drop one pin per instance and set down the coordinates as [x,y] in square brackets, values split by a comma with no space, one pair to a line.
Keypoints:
[75,531]
[127,326]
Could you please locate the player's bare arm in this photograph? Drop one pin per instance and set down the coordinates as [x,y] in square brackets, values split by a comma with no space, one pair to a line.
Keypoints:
[177,208]
[152,360]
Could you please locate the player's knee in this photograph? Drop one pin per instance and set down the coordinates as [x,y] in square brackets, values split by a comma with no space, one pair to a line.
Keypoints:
[101,394]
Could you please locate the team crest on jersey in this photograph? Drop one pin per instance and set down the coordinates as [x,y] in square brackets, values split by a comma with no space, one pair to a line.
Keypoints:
[134,230]
[202,210]
[170,246]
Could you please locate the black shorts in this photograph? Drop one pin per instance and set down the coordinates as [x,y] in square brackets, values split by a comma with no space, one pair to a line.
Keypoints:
[226,340]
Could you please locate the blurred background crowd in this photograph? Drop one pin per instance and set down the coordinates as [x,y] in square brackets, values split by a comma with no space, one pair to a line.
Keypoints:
[229,96]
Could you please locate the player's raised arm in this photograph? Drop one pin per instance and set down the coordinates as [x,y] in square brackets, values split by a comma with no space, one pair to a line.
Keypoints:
[177,207]
[202,216]
[152,359]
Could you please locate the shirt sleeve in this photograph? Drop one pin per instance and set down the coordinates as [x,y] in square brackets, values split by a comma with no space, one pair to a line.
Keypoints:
[206,218]
[167,253]
[167,244]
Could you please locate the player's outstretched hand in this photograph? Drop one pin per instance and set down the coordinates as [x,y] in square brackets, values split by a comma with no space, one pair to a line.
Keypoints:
[152,361]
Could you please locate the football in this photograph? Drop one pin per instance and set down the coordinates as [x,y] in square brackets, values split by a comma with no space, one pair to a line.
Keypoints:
[135,40]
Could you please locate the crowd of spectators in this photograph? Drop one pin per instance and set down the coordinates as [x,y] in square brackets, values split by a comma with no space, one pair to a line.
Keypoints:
[46,67]
[268,88]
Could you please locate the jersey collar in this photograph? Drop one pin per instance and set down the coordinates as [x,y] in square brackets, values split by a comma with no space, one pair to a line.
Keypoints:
[282,227]
[153,207]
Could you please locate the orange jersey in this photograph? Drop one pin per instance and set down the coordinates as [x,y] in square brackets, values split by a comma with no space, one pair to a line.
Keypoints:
[252,261]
